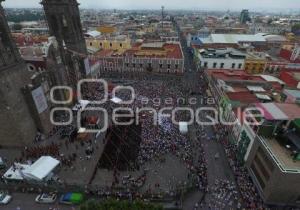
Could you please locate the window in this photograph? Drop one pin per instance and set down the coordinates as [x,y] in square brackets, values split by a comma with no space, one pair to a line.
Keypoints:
[169,66]
[215,65]
[205,64]
[233,66]
[160,66]
[133,65]
[110,44]
[176,66]
[240,66]
[121,45]
[222,65]
[127,64]
[100,44]
[91,44]
[141,65]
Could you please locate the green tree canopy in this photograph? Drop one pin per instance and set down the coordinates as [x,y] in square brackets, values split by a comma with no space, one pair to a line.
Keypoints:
[296,28]
[118,205]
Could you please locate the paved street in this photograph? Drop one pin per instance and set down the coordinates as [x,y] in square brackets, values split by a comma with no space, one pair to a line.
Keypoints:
[26,202]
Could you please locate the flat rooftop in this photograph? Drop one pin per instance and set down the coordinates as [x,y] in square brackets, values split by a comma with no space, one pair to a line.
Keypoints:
[283,156]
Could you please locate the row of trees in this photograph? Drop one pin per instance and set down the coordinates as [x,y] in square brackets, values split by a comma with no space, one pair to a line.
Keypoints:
[118,205]
[24,16]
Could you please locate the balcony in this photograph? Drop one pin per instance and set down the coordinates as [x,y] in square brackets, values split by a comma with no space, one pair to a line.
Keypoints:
[281,146]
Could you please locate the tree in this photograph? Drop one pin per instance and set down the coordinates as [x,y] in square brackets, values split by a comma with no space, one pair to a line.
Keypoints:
[118,205]
[296,28]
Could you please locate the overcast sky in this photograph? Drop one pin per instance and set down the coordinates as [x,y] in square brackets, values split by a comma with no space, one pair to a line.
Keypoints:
[171,4]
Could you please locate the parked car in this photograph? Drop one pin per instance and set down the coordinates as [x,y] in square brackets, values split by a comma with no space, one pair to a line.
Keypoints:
[4,198]
[71,198]
[46,198]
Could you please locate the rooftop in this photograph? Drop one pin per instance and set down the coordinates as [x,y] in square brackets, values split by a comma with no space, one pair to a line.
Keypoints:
[233,38]
[229,53]
[281,155]
[156,50]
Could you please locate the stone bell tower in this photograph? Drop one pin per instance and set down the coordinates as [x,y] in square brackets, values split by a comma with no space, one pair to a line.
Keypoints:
[17,127]
[64,24]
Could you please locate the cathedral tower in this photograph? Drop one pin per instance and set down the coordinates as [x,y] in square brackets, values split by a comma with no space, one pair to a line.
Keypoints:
[17,126]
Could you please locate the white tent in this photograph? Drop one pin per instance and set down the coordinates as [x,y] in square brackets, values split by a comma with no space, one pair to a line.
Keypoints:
[16,172]
[41,168]
[183,127]
[81,105]
[116,100]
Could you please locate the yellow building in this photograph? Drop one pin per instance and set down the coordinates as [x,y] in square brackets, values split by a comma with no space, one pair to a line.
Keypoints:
[107,29]
[255,64]
[115,43]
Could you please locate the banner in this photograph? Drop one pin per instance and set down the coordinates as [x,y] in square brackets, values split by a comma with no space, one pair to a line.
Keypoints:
[39,99]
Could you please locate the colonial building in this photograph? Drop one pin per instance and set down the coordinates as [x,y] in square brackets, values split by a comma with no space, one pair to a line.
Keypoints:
[157,57]
[224,58]
[271,152]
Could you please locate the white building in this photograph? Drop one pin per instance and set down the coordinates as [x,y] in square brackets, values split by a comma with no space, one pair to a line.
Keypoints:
[227,58]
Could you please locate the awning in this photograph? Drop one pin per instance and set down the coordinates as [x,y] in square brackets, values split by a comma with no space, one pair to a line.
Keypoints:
[263,97]
[256,88]
[272,112]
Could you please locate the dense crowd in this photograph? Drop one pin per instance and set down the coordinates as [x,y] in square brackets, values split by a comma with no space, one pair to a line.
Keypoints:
[250,196]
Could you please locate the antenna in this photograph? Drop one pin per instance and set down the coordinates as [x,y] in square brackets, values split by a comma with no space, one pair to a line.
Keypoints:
[162,17]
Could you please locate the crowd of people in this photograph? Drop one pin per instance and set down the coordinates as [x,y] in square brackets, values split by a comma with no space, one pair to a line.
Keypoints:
[248,191]
[250,196]
[162,138]
[223,195]
[36,152]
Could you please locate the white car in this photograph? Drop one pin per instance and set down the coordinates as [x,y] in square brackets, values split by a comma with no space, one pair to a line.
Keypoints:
[46,198]
[5,198]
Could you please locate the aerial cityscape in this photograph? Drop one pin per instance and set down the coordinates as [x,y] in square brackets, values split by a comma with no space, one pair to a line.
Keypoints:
[149,105]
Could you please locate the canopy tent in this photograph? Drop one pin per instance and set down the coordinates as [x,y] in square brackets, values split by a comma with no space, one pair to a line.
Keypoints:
[116,100]
[183,127]
[41,168]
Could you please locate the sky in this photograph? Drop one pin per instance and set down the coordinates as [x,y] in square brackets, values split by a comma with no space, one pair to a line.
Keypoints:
[171,4]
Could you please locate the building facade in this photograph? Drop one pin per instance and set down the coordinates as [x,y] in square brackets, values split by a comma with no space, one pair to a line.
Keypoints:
[148,57]
[64,23]
[17,126]
[272,167]
[227,58]
[114,43]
